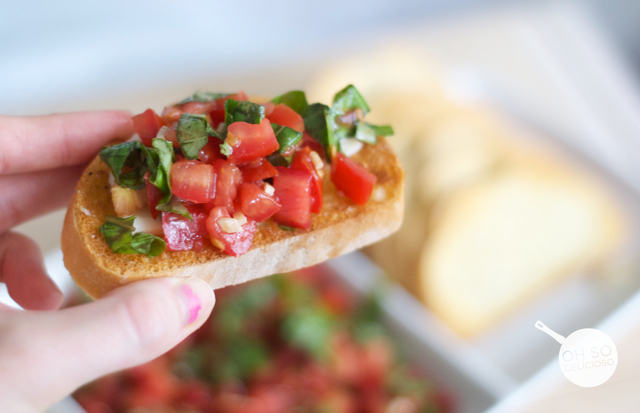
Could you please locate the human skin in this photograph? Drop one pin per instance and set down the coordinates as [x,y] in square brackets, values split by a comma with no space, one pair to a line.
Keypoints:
[46,353]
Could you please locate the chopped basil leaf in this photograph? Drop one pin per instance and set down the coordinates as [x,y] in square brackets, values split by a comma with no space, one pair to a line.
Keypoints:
[279,160]
[349,99]
[128,162]
[296,100]
[118,233]
[385,130]
[226,149]
[201,96]
[287,137]
[175,206]
[193,133]
[286,228]
[166,157]
[365,133]
[315,123]
[242,111]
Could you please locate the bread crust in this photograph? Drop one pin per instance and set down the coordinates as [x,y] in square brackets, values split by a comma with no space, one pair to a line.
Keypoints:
[341,227]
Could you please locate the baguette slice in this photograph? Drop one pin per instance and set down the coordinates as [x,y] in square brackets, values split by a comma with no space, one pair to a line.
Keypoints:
[341,227]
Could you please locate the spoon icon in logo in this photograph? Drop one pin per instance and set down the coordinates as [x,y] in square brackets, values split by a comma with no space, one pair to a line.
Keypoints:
[588,357]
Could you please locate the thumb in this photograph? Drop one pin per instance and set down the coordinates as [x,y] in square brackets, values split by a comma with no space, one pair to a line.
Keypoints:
[47,355]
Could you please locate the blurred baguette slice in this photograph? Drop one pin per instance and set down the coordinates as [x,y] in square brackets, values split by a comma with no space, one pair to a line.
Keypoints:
[499,242]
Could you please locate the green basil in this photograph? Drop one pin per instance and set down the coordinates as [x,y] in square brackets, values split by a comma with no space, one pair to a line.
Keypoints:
[162,178]
[242,111]
[279,160]
[118,233]
[287,137]
[286,228]
[129,161]
[174,206]
[349,99]
[309,329]
[193,133]
[201,96]
[296,100]
[315,124]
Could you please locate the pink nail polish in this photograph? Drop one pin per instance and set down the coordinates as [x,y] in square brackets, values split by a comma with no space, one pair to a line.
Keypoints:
[193,303]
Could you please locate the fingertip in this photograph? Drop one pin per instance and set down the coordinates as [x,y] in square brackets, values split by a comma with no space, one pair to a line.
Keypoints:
[196,299]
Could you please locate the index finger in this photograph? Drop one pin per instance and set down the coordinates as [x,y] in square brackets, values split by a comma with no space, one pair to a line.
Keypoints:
[43,142]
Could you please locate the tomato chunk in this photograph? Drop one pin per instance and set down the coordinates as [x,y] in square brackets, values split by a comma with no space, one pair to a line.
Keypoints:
[193,181]
[285,116]
[216,113]
[352,179]
[307,140]
[228,180]
[302,161]
[183,234]
[250,142]
[154,195]
[197,108]
[211,151]
[147,124]
[258,170]
[234,244]
[256,203]
[171,114]
[293,191]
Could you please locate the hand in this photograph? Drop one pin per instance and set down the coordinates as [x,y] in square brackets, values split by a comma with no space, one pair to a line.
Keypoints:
[45,355]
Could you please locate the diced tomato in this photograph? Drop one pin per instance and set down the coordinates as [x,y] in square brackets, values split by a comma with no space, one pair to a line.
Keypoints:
[234,244]
[228,181]
[352,179]
[151,384]
[171,114]
[268,108]
[197,108]
[216,113]
[171,135]
[183,234]
[193,181]
[154,195]
[258,170]
[257,204]
[211,151]
[293,191]
[250,142]
[285,116]
[307,140]
[302,162]
[147,124]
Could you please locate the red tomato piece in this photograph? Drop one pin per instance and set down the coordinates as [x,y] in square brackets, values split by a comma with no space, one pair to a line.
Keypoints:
[171,135]
[234,244]
[268,108]
[352,179]
[147,124]
[293,191]
[216,113]
[228,179]
[302,162]
[197,108]
[258,170]
[307,140]
[285,116]
[211,151]
[183,234]
[154,195]
[250,142]
[171,114]
[193,181]
[257,204]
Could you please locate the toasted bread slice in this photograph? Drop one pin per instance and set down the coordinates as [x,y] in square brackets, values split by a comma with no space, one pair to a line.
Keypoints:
[341,227]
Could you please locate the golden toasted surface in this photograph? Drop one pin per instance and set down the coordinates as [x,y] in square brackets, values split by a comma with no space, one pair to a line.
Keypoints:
[97,269]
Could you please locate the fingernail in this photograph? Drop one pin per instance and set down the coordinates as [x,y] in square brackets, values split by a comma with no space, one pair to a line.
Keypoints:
[192,293]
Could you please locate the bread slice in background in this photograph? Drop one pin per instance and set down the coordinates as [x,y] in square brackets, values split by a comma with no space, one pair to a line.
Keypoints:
[493,216]
[341,227]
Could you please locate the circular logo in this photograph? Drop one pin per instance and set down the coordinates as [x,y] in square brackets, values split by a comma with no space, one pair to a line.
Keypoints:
[588,357]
